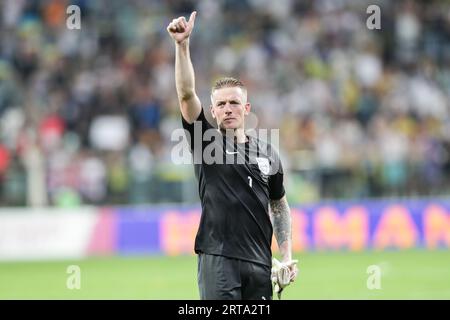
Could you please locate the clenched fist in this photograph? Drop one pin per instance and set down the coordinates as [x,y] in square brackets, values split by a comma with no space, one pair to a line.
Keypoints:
[180,29]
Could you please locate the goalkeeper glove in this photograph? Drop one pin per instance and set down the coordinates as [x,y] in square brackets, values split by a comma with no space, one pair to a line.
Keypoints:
[281,275]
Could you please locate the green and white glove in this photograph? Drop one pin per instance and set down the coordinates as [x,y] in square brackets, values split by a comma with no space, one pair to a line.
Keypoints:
[281,275]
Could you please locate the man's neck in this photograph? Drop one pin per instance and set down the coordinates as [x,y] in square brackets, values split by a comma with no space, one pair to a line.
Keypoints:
[239,135]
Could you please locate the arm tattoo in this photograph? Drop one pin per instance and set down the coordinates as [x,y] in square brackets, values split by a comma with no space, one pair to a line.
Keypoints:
[281,220]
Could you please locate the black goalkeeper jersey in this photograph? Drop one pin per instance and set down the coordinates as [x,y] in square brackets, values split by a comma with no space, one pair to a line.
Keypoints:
[235,192]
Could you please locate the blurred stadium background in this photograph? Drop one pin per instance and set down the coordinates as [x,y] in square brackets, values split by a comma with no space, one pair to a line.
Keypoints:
[86,118]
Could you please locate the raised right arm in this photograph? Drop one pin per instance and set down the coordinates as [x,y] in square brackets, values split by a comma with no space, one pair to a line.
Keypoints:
[180,31]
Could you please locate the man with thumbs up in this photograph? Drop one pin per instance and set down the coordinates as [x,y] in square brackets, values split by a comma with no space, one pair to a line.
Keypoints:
[244,203]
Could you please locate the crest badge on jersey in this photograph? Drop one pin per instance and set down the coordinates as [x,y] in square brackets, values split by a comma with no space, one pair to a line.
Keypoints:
[263,165]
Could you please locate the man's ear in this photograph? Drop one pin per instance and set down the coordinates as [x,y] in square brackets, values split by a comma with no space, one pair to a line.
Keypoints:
[212,111]
[247,108]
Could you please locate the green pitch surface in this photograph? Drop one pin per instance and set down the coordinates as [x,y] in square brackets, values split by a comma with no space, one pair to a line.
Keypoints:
[338,275]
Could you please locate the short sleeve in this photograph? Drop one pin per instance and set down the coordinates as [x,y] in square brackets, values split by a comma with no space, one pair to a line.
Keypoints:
[276,186]
[200,125]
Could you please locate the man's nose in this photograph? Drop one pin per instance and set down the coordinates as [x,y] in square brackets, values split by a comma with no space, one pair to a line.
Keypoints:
[228,108]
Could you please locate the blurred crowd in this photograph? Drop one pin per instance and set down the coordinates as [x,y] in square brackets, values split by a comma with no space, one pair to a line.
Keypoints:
[86,116]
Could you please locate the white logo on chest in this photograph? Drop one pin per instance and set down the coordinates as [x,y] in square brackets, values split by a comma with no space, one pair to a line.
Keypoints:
[263,165]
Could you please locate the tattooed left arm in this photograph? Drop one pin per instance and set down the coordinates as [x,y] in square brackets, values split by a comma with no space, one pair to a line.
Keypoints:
[280,215]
